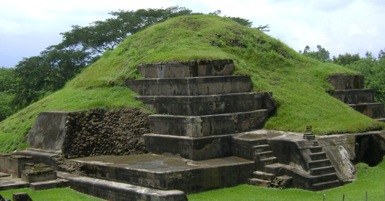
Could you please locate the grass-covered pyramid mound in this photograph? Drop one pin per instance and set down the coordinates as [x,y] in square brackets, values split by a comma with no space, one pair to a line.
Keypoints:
[298,83]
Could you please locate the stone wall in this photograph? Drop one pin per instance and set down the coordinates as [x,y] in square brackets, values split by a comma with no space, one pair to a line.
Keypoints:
[101,132]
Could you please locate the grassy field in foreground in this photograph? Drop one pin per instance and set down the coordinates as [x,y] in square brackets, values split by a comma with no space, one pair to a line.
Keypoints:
[370,180]
[58,194]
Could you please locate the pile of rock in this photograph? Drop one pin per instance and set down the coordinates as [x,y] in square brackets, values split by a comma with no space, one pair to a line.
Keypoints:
[102,132]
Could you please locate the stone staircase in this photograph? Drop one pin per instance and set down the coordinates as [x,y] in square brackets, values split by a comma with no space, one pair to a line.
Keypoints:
[199,105]
[322,173]
[256,148]
[350,90]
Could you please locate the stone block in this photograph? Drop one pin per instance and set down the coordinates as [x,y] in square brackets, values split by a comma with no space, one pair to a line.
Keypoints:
[205,104]
[43,185]
[354,96]
[191,85]
[21,197]
[199,126]
[193,68]
[197,148]
[49,131]
[37,173]
[346,81]
[373,110]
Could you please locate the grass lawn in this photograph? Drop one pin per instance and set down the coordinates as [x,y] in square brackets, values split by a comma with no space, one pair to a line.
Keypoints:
[58,194]
[370,180]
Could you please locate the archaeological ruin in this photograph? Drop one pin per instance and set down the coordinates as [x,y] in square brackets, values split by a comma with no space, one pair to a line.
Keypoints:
[205,133]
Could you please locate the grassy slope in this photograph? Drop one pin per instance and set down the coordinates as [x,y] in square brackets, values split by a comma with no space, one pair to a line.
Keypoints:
[367,181]
[298,83]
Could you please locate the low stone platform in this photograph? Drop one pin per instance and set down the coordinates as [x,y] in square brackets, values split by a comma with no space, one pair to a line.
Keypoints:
[8,182]
[168,172]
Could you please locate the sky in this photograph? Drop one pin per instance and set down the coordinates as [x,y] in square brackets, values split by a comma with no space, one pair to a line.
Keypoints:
[341,26]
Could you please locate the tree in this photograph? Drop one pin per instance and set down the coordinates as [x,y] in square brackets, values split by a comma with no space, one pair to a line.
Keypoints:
[7,92]
[346,59]
[321,54]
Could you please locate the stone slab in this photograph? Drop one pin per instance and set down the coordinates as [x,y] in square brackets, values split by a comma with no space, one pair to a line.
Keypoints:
[191,85]
[373,110]
[205,104]
[43,185]
[354,96]
[346,81]
[197,148]
[194,68]
[7,183]
[206,125]
[169,172]
[49,131]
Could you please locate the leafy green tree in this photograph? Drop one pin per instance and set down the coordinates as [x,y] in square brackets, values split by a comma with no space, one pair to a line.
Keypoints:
[7,92]
[321,54]
[346,59]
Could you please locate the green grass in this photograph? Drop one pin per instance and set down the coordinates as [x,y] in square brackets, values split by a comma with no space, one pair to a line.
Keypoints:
[14,129]
[58,194]
[297,82]
[369,179]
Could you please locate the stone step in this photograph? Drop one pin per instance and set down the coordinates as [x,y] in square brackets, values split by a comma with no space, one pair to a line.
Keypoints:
[249,142]
[258,182]
[315,149]
[111,190]
[373,110]
[206,125]
[381,119]
[326,185]
[318,156]
[191,86]
[322,170]
[244,147]
[264,154]
[194,68]
[263,175]
[319,163]
[43,185]
[262,148]
[268,161]
[324,178]
[273,168]
[10,182]
[354,96]
[206,104]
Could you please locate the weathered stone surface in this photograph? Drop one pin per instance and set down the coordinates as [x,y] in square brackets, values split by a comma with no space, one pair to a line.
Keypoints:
[169,172]
[373,110]
[99,132]
[190,86]
[58,183]
[13,164]
[37,173]
[201,148]
[21,197]
[49,131]
[199,126]
[346,81]
[87,133]
[205,104]
[354,96]
[193,68]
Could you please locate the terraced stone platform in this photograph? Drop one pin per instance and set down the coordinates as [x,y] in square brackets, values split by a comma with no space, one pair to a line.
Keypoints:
[350,90]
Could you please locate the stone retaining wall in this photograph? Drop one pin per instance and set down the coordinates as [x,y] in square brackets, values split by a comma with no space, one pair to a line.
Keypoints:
[101,132]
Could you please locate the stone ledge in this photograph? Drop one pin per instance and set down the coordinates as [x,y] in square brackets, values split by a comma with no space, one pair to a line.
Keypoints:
[111,190]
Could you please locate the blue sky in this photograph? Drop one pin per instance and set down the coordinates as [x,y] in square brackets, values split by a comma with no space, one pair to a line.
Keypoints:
[354,26]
